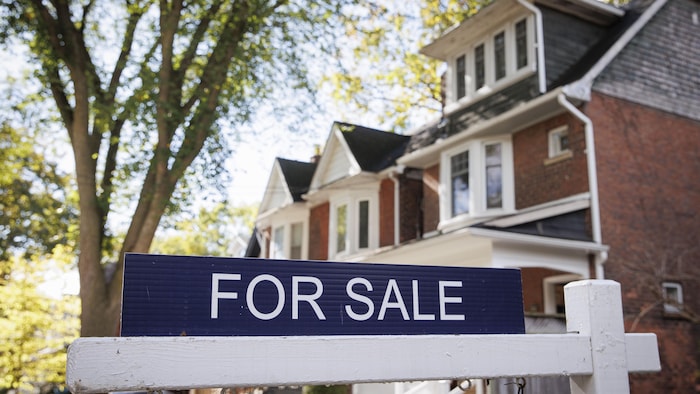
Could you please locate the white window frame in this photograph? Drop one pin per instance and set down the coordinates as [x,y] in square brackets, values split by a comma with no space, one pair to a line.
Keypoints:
[352,226]
[278,232]
[676,306]
[549,285]
[554,141]
[513,74]
[286,226]
[477,181]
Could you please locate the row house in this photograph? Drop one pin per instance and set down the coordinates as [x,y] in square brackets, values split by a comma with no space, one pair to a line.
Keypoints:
[568,148]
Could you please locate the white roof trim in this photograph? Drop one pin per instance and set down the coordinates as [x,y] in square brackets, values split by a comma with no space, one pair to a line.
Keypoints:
[581,89]
[276,176]
[334,137]
[560,207]
[539,240]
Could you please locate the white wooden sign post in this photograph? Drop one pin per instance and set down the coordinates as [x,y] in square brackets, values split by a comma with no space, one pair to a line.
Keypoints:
[596,354]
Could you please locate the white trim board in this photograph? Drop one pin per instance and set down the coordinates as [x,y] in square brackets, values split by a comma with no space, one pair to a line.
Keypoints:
[156,363]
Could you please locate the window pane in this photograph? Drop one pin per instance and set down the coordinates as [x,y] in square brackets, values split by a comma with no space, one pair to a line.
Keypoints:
[479,67]
[521,44]
[564,141]
[460,183]
[494,176]
[341,228]
[460,75]
[296,241]
[363,241]
[278,243]
[558,141]
[499,55]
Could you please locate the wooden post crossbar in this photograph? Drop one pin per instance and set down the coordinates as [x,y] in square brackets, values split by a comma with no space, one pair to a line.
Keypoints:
[595,353]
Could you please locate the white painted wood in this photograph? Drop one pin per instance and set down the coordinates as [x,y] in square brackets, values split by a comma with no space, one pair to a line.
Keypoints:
[597,357]
[642,353]
[153,363]
[594,308]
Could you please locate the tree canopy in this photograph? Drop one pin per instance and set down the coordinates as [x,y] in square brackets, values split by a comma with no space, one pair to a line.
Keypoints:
[140,88]
[144,91]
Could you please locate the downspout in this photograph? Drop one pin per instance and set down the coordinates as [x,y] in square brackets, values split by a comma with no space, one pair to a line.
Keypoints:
[601,256]
[397,224]
[539,44]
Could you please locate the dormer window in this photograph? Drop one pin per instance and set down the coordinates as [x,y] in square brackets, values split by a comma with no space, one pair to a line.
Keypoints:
[499,55]
[461,76]
[494,60]
[521,44]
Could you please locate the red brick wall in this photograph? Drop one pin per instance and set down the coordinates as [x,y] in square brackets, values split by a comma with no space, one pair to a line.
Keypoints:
[267,232]
[537,182]
[431,198]
[649,190]
[318,232]
[386,212]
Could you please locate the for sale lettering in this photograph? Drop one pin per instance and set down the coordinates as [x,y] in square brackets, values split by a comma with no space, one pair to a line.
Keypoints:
[357,302]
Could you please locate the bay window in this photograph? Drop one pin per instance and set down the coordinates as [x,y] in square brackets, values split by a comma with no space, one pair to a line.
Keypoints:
[477,178]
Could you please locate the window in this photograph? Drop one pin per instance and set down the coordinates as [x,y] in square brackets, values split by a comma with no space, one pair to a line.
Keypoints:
[494,176]
[494,59]
[559,141]
[499,55]
[296,241]
[288,241]
[478,179]
[521,44]
[461,75]
[354,225]
[553,292]
[341,228]
[278,243]
[673,297]
[363,225]
[479,67]
[460,183]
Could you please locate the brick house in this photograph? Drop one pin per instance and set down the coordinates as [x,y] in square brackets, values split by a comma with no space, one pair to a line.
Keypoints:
[569,147]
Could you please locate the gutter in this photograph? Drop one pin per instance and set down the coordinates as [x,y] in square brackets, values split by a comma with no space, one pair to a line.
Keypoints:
[539,45]
[601,256]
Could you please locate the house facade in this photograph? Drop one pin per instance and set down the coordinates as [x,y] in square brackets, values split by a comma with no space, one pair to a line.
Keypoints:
[569,148]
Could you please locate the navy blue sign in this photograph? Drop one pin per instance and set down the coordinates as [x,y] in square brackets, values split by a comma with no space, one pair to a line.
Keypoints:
[198,296]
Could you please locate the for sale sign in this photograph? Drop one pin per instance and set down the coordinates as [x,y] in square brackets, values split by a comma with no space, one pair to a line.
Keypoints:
[212,296]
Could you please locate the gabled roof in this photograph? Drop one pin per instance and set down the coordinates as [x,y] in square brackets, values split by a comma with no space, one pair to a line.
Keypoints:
[297,175]
[288,181]
[352,149]
[373,149]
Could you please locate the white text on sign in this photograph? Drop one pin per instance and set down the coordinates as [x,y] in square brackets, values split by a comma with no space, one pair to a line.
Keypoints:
[362,309]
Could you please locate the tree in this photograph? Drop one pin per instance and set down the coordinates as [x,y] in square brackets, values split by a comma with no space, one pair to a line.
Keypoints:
[142,88]
[381,69]
[215,231]
[37,221]
[35,201]
[147,110]
[35,328]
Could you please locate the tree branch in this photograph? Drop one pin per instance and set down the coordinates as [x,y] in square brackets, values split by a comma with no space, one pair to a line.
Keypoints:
[197,37]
